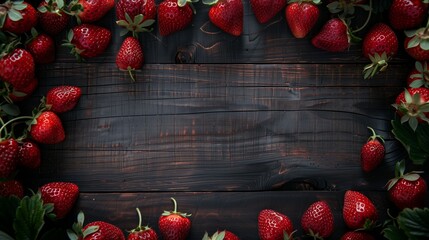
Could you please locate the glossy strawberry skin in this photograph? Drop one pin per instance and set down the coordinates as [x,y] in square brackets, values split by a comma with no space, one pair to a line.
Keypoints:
[301,18]
[174,227]
[354,235]
[130,54]
[357,209]
[94,10]
[27,90]
[265,10]
[148,234]
[272,224]
[48,129]
[62,194]
[230,236]
[134,8]
[92,40]
[42,48]
[319,218]
[63,98]
[333,37]
[11,188]
[372,154]
[228,16]
[28,21]
[9,157]
[408,194]
[17,68]
[416,52]
[380,39]
[172,18]
[106,231]
[53,22]
[407,14]
[29,155]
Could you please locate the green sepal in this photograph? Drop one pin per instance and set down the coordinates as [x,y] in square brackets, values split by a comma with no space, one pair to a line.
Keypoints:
[210,2]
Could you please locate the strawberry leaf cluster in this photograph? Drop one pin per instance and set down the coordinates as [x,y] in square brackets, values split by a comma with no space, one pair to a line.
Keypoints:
[410,224]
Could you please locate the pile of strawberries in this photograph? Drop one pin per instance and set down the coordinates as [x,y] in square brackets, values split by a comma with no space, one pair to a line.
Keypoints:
[22,48]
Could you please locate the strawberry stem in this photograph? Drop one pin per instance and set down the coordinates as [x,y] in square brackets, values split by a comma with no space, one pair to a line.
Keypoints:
[3,127]
[140,218]
[367,19]
[175,205]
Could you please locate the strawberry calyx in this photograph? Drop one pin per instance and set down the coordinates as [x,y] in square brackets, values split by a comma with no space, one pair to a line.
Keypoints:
[316,2]
[139,227]
[418,37]
[379,63]
[400,174]
[175,212]
[74,9]
[314,235]
[73,49]
[53,6]
[287,236]
[216,236]
[374,135]
[182,3]
[76,232]
[136,25]
[11,9]
[412,109]
[421,78]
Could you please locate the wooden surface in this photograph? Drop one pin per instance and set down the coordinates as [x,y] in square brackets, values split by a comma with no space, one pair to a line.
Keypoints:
[259,121]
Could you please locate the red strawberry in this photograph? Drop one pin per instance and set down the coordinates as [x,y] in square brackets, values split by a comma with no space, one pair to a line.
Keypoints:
[334,36]
[318,220]
[88,11]
[407,190]
[301,17]
[273,225]
[372,152]
[174,225]
[419,76]
[135,15]
[18,94]
[172,17]
[62,98]
[142,232]
[98,230]
[415,44]
[11,188]
[358,210]
[41,47]
[87,40]
[379,45]
[130,56]
[412,106]
[17,68]
[221,235]
[9,157]
[265,10]
[53,18]
[17,17]
[47,128]
[407,14]
[29,155]
[227,15]
[62,195]
[354,235]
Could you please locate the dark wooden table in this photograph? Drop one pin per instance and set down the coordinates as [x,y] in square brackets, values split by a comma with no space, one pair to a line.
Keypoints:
[226,125]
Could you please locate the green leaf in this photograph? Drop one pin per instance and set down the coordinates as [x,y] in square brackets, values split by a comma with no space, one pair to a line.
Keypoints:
[8,206]
[419,66]
[11,109]
[29,218]
[415,223]
[422,135]
[392,232]
[5,236]
[14,15]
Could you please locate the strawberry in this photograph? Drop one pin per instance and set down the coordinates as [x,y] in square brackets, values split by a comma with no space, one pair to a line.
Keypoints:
[29,154]
[227,15]
[372,152]
[416,44]
[407,190]
[301,16]
[407,14]
[142,232]
[135,15]
[11,188]
[379,45]
[265,10]
[62,195]
[98,230]
[42,48]
[88,11]
[419,76]
[53,18]
[174,225]
[17,68]
[354,235]
[358,210]
[273,225]
[87,40]
[62,98]
[9,157]
[17,17]
[333,37]
[412,106]
[47,128]
[221,235]
[174,17]
[20,94]
[130,56]
[318,220]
